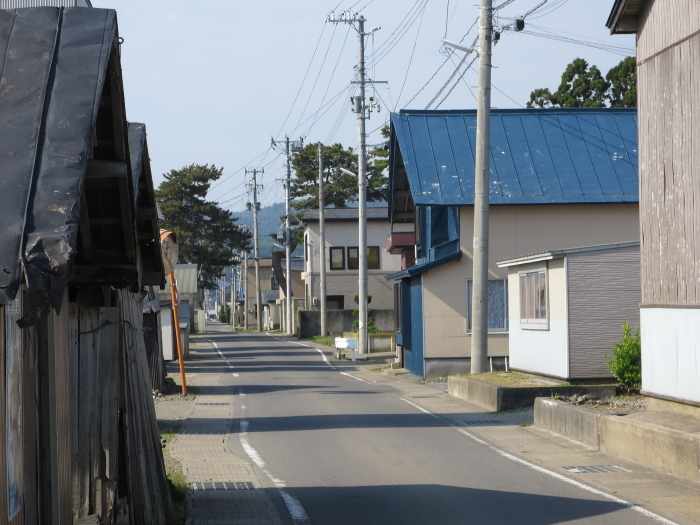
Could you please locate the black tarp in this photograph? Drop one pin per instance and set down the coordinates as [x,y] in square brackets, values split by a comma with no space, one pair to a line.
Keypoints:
[53,66]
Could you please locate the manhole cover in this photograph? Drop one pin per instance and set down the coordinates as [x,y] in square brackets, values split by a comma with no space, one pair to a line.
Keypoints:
[594,469]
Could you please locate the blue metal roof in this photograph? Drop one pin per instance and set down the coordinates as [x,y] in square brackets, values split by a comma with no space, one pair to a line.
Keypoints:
[538,156]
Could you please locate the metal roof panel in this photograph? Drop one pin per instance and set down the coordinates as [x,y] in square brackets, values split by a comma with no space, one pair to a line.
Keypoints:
[537,155]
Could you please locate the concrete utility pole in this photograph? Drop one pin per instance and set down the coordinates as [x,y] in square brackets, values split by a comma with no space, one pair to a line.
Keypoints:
[255,207]
[322,235]
[480,291]
[245,290]
[363,110]
[289,148]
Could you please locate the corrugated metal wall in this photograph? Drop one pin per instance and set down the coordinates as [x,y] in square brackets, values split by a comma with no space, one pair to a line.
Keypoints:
[669,151]
[17,4]
[603,292]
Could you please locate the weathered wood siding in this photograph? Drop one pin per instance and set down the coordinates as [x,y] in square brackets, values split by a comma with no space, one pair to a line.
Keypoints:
[669,151]
[604,292]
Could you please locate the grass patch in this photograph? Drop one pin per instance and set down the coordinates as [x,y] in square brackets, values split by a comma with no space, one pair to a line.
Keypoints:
[177,483]
[525,424]
[514,379]
[322,339]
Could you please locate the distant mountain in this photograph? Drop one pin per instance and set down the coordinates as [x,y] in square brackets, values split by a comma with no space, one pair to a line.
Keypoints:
[268,222]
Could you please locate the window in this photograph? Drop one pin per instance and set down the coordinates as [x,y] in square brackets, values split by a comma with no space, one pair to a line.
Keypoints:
[497,304]
[274,285]
[533,298]
[372,258]
[337,258]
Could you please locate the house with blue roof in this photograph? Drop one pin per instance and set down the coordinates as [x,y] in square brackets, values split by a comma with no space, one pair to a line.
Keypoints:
[558,177]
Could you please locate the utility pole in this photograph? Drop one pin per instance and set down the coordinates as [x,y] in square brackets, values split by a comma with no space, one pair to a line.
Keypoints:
[256,207]
[289,148]
[322,234]
[245,290]
[480,291]
[363,111]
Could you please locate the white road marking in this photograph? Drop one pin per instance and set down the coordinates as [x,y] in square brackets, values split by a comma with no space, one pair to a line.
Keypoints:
[294,506]
[350,375]
[325,359]
[543,470]
[229,363]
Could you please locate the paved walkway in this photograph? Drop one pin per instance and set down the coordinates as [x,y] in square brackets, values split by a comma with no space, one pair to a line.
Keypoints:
[226,488]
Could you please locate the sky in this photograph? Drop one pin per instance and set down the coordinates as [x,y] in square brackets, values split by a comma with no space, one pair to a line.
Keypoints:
[215,80]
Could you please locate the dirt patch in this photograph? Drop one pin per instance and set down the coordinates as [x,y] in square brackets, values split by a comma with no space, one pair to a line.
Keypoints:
[609,405]
[514,379]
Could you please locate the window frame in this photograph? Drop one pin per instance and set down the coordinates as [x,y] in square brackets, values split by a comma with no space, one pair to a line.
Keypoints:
[468,301]
[357,267]
[534,323]
[333,249]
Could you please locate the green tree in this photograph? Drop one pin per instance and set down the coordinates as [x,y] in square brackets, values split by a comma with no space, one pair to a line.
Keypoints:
[623,84]
[583,86]
[206,234]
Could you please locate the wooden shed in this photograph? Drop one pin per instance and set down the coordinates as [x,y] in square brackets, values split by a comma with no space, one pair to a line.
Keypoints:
[566,308]
[79,240]
[668,86]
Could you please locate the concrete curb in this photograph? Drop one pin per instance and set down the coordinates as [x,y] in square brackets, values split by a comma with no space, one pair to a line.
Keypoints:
[497,398]
[644,438]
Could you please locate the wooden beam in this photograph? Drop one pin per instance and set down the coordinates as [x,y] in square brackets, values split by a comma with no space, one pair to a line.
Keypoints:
[143,214]
[122,275]
[103,169]
[84,230]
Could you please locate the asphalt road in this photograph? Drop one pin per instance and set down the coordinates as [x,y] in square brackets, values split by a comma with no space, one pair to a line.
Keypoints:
[345,451]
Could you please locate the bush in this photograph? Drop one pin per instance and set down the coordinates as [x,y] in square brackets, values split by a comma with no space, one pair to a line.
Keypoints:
[626,360]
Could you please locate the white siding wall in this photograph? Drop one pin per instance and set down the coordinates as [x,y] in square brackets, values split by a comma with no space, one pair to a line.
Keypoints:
[670,350]
[540,351]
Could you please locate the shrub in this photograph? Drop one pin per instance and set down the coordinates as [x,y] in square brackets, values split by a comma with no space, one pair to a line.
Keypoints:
[626,360]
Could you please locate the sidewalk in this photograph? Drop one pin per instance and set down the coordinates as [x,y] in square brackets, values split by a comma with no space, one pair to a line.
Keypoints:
[225,489]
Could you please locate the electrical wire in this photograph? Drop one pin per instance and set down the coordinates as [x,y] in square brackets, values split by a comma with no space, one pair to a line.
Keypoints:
[457,82]
[410,61]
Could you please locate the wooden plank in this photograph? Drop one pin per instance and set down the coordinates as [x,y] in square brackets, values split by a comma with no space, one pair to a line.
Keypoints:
[30,501]
[74,357]
[108,352]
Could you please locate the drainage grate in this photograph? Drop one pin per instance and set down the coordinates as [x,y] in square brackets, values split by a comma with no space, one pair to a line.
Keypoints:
[213,404]
[595,469]
[482,422]
[426,397]
[223,485]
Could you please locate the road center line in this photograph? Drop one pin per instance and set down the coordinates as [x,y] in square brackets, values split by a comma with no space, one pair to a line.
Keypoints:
[543,470]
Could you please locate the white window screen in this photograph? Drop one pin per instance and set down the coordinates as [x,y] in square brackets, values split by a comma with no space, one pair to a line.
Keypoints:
[533,297]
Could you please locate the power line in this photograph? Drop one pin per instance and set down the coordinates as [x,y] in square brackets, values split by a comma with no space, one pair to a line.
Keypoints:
[410,61]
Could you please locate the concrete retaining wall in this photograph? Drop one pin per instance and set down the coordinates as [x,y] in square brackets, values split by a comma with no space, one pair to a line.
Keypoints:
[666,442]
[339,321]
[497,398]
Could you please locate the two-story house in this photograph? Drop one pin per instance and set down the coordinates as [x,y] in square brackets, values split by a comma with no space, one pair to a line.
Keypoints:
[558,177]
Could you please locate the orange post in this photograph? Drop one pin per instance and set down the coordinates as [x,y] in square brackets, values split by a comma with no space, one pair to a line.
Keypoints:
[176,322]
